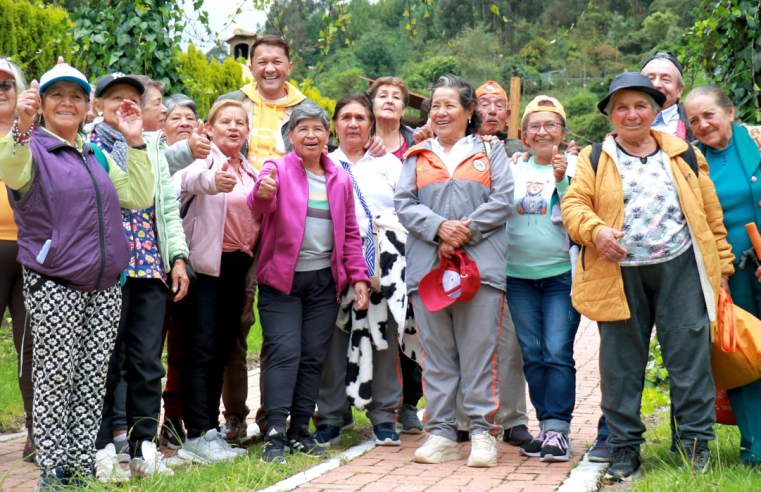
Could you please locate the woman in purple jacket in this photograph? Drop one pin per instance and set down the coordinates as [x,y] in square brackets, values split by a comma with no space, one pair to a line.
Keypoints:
[66,198]
[310,250]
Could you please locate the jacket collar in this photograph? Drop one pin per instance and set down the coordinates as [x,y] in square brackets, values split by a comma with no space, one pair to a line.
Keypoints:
[669,144]
[425,146]
[52,142]
[218,158]
[747,149]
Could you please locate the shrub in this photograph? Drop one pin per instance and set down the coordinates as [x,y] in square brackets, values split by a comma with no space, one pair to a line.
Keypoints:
[34,35]
[205,81]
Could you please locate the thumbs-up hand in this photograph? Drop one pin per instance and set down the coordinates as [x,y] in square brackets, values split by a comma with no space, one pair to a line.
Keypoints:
[267,184]
[27,106]
[559,164]
[224,179]
[199,143]
[61,61]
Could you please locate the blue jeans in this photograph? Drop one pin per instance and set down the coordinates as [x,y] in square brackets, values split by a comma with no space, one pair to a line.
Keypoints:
[546,324]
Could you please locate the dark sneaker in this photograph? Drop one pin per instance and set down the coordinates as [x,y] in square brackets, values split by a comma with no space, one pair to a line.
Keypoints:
[600,452]
[172,433]
[463,436]
[625,465]
[301,441]
[407,421]
[698,458]
[517,436]
[555,447]
[385,435]
[533,448]
[327,435]
[30,450]
[274,447]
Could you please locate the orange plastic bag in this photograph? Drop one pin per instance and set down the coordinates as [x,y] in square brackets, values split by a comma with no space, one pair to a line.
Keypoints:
[736,351]
[724,414]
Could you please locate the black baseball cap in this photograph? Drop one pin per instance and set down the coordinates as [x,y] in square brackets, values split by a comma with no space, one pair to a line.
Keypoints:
[663,55]
[117,78]
[633,81]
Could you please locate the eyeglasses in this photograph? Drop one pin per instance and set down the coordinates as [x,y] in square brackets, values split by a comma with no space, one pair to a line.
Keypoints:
[549,127]
[7,85]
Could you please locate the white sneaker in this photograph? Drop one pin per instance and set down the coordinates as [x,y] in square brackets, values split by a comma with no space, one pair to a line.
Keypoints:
[107,468]
[206,449]
[152,460]
[236,451]
[437,449]
[483,451]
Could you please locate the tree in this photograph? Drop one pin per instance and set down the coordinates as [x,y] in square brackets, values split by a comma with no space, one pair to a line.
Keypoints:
[725,43]
[140,37]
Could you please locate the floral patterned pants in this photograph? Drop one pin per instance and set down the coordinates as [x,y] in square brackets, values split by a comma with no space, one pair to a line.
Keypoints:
[74,336]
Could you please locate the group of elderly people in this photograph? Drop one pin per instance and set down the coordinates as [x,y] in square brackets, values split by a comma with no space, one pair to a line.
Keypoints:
[161,226]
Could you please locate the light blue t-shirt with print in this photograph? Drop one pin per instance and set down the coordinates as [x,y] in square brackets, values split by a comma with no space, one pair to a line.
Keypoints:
[534,243]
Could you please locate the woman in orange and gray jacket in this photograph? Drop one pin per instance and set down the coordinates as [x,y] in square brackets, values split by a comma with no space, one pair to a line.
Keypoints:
[654,250]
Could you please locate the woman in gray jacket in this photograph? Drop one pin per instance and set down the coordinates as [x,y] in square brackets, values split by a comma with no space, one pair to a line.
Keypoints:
[455,195]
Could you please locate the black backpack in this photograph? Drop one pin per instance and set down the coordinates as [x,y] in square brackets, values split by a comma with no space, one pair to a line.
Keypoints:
[688,156]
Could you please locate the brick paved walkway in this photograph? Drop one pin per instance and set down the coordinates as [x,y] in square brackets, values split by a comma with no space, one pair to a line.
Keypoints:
[390,469]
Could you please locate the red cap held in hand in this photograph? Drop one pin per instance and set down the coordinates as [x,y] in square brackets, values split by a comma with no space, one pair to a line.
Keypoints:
[455,280]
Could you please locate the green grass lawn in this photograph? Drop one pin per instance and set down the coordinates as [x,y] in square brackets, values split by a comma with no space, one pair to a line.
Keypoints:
[246,472]
[661,471]
[11,405]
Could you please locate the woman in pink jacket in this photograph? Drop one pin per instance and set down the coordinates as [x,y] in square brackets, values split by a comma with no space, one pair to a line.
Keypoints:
[310,251]
[221,233]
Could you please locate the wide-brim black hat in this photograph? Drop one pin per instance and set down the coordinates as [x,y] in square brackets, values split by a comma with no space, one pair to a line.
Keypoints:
[117,78]
[633,81]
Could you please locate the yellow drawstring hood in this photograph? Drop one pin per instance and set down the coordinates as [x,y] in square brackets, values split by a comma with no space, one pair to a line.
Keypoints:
[266,122]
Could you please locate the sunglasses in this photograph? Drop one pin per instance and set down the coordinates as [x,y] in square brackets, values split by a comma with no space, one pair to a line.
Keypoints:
[6,85]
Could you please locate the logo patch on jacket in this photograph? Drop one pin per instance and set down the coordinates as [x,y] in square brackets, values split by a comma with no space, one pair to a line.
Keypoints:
[479,165]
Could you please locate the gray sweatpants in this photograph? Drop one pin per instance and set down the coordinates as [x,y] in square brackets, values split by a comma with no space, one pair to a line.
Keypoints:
[668,295]
[460,351]
[512,402]
[332,404]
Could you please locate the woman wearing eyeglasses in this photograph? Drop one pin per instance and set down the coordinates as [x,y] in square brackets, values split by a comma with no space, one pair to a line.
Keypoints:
[539,278]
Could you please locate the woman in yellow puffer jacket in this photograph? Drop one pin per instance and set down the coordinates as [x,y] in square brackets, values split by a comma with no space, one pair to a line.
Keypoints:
[654,251]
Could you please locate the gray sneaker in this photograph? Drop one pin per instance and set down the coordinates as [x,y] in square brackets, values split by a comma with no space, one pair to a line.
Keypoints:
[407,420]
[209,448]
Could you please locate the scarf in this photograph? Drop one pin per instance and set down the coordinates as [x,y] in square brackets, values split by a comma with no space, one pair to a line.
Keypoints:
[113,142]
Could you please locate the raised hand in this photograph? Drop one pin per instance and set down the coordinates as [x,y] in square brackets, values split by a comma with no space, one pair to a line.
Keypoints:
[423,133]
[27,105]
[375,147]
[199,143]
[268,184]
[572,148]
[130,123]
[559,164]
[224,179]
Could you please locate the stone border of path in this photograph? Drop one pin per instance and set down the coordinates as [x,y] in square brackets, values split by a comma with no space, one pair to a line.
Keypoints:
[317,471]
[585,477]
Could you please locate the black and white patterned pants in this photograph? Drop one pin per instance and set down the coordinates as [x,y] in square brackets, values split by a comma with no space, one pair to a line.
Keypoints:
[74,336]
